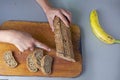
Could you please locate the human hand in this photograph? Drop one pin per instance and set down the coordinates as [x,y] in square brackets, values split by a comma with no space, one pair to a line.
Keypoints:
[64,15]
[21,40]
[51,12]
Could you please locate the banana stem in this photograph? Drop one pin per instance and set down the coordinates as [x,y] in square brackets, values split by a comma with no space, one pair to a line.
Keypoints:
[117,41]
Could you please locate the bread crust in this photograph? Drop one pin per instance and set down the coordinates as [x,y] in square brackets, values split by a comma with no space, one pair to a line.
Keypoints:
[64,47]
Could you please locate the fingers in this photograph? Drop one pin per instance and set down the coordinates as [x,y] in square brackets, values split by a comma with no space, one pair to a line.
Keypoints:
[67,14]
[51,24]
[63,18]
[41,45]
[31,46]
[24,41]
[20,47]
[64,15]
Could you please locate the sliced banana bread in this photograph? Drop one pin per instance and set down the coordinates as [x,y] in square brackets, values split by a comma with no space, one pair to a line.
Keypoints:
[37,56]
[31,64]
[46,64]
[9,59]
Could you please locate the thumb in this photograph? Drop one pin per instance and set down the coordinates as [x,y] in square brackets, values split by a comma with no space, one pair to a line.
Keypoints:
[41,45]
[51,25]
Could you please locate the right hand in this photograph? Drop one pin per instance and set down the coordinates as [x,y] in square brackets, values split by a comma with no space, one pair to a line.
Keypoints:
[64,15]
[22,40]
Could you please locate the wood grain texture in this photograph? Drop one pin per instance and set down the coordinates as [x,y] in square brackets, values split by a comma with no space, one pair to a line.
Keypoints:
[42,32]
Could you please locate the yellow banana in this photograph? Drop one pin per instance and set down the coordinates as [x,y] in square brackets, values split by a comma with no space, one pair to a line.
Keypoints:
[98,30]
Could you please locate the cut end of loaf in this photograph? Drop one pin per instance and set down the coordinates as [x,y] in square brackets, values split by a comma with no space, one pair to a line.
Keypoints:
[46,65]
[37,56]
[10,60]
[30,64]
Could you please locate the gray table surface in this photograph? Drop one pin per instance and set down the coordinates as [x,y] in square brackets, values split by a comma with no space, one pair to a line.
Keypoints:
[100,61]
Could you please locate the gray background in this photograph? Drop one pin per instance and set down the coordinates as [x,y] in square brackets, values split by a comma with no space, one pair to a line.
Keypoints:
[100,61]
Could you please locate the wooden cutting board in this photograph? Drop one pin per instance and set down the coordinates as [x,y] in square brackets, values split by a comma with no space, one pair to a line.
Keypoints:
[42,32]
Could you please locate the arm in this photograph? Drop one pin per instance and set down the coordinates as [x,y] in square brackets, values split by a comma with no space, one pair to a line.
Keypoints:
[51,12]
[44,4]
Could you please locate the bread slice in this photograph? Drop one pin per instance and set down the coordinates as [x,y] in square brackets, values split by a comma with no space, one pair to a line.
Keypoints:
[37,56]
[64,47]
[9,59]
[31,64]
[46,64]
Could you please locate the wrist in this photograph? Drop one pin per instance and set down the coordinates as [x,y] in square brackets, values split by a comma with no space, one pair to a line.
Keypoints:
[6,36]
[47,8]
[44,4]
